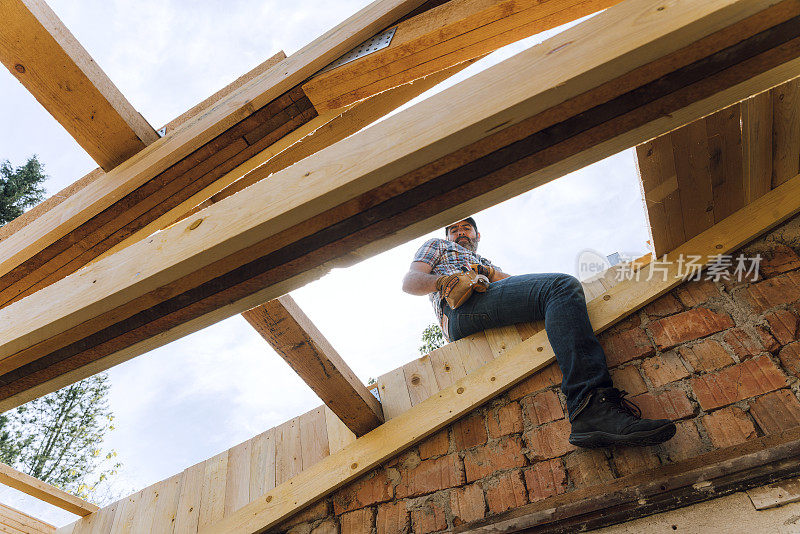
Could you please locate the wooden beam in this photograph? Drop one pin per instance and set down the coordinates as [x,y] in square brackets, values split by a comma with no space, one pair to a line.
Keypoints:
[449,34]
[45,57]
[12,521]
[295,338]
[577,98]
[44,492]
[509,368]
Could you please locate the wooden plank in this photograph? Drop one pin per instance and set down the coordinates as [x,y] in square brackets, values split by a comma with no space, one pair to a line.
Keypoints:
[395,397]
[426,168]
[288,452]
[45,57]
[126,513]
[262,463]
[439,38]
[18,522]
[187,515]
[44,492]
[502,338]
[690,145]
[420,379]
[298,341]
[475,351]
[166,505]
[212,499]
[514,365]
[757,145]
[188,147]
[725,150]
[314,437]
[447,365]
[785,132]
[339,436]
[237,478]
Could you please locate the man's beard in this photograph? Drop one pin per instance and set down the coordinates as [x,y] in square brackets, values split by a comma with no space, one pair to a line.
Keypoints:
[467,243]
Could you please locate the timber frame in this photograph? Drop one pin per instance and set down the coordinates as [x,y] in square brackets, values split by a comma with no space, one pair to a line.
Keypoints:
[161,240]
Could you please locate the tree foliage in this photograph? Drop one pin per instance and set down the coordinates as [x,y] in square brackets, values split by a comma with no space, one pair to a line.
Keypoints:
[56,438]
[20,188]
[432,338]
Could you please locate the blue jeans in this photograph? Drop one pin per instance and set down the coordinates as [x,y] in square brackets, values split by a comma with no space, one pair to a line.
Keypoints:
[559,300]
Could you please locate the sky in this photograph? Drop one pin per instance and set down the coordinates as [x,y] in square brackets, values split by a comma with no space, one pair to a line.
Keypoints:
[202,394]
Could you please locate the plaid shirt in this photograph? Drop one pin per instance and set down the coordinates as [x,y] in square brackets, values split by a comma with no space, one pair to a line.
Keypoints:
[446,257]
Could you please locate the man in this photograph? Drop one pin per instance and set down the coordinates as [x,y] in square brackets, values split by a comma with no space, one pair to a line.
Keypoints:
[469,294]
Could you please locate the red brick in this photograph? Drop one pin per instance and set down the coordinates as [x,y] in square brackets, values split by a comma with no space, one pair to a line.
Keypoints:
[779,260]
[628,379]
[367,490]
[588,467]
[543,379]
[487,459]
[776,411]
[469,431]
[630,460]
[505,420]
[790,358]
[505,492]
[392,518]
[467,504]
[549,441]
[707,355]
[783,289]
[688,325]
[436,445]
[545,479]
[543,407]
[697,292]
[744,344]
[747,379]
[670,404]
[663,306]
[686,443]
[357,522]
[429,518]
[626,346]
[429,476]
[664,368]
[783,325]
[728,426]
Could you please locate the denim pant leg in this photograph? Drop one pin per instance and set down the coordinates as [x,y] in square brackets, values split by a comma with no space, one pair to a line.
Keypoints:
[559,300]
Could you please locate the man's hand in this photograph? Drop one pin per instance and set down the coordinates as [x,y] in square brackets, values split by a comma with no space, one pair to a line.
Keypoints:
[457,288]
[485,270]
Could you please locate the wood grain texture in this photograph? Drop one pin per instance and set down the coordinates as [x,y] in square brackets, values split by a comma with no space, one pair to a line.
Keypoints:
[298,341]
[46,58]
[12,521]
[426,168]
[44,492]
[785,132]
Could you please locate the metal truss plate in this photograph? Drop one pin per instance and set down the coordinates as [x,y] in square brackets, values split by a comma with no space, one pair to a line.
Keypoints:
[373,44]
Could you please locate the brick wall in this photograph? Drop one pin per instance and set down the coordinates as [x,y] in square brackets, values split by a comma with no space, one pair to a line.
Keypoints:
[720,358]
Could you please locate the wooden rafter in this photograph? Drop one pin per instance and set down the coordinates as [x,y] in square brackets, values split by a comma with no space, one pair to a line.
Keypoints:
[498,375]
[46,58]
[449,34]
[292,334]
[44,492]
[565,108]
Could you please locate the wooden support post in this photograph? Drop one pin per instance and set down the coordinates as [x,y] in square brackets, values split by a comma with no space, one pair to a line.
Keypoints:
[589,92]
[44,491]
[46,58]
[292,334]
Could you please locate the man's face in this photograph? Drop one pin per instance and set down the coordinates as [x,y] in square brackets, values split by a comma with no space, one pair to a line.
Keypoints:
[464,234]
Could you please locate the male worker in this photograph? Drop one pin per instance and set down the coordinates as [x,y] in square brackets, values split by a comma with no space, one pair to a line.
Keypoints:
[469,294]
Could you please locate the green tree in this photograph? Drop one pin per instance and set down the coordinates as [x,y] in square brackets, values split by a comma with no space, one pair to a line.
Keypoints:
[55,438]
[432,338]
[20,188]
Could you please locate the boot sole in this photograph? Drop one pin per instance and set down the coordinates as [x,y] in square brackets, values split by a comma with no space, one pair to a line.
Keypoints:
[593,440]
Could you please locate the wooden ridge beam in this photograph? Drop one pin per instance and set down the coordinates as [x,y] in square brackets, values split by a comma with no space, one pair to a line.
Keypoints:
[295,338]
[44,492]
[45,57]
[577,98]
[495,377]
[446,35]
[113,206]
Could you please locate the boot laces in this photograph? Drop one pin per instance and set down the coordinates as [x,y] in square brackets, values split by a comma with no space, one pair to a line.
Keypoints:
[616,397]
